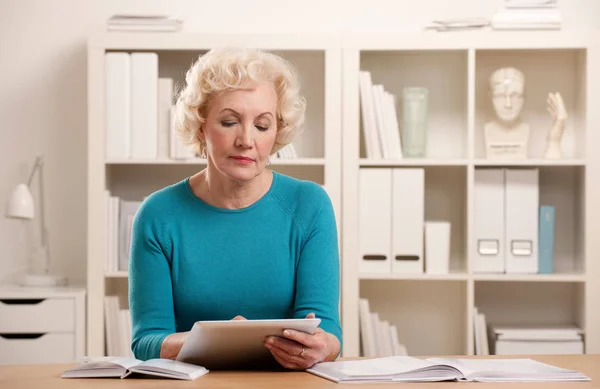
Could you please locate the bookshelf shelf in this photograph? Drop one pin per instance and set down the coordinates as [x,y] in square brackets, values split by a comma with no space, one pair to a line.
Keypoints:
[434,312]
[531,277]
[117,274]
[364,162]
[477,277]
[416,277]
[478,162]
[529,162]
[538,67]
[512,303]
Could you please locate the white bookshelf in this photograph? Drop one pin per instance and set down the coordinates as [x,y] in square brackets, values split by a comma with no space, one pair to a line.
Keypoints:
[433,313]
[318,147]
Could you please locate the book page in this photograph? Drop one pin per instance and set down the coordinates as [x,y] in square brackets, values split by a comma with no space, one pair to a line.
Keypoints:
[104,362]
[502,367]
[169,366]
[378,366]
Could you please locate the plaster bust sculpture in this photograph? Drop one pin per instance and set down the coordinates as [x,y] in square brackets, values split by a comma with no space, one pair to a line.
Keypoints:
[507,137]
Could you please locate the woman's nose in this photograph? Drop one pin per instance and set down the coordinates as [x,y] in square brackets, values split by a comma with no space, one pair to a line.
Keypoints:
[245,136]
[507,102]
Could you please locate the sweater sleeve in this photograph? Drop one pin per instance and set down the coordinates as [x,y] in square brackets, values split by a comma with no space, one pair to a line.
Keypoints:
[150,286]
[318,272]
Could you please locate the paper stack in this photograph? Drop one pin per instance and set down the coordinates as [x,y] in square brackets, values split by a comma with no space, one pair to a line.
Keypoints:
[528,15]
[143,23]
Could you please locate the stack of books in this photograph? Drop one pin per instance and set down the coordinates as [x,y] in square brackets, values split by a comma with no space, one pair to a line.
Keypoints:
[528,15]
[147,23]
[379,338]
[380,123]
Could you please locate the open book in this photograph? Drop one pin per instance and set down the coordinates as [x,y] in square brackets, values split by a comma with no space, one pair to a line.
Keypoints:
[404,368]
[120,367]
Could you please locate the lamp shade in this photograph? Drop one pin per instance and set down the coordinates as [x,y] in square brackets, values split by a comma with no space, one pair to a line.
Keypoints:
[20,203]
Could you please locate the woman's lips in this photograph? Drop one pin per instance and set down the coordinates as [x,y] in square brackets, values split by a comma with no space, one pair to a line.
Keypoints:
[243,160]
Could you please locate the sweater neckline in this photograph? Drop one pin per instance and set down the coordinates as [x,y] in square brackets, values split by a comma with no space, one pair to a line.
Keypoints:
[256,204]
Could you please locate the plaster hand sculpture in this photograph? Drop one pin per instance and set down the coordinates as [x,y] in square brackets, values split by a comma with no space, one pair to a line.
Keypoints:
[507,136]
[557,110]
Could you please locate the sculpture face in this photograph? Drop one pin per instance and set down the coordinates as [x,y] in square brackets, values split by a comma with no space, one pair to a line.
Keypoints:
[507,87]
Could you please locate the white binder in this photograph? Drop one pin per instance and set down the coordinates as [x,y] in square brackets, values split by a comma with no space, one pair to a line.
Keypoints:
[144,105]
[165,102]
[375,205]
[489,245]
[117,105]
[408,219]
[522,214]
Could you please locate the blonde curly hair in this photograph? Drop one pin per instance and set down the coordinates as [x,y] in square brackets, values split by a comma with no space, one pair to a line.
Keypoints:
[229,68]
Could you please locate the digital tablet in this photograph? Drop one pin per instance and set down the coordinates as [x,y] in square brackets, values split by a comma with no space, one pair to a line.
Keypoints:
[237,344]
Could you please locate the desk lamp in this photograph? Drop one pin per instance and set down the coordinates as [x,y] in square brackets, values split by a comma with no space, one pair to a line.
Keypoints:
[21,206]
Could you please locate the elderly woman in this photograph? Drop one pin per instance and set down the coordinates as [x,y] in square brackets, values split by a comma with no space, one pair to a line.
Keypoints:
[237,240]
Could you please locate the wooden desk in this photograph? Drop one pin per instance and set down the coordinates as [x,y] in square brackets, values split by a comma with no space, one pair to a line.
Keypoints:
[48,377]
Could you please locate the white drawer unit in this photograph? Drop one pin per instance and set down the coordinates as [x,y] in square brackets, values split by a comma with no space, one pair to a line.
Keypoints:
[41,325]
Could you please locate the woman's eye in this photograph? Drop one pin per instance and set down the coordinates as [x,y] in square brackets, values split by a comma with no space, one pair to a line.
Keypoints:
[227,124]
[261,128]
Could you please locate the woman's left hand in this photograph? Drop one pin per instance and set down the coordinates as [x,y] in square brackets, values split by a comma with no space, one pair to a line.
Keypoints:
[299,350]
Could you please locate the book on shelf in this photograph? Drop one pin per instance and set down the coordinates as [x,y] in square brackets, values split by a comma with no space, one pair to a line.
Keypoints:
[379,338]
[120,216]
[379,120]
[118,367]
[143,22]
[481,333]
[118,328]
[528,14]
[531,3]
[411,369]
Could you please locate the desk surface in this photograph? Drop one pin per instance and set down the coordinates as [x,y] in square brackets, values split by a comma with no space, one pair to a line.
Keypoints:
[48,377]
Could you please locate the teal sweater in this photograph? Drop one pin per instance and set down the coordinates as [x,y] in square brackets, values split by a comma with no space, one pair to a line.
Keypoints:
[190,261]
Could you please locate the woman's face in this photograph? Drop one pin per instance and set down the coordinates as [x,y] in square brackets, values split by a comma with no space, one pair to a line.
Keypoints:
[240,130]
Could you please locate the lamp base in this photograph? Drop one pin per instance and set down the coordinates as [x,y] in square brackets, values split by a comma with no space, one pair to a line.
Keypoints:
[43,280]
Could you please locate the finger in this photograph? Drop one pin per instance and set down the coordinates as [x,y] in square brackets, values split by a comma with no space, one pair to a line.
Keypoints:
[303,362]
[283,359]
[314,341]
[238,317]
[289,346]
[311,316]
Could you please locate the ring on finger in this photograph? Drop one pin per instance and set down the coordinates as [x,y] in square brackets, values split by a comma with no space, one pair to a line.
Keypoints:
[302,352]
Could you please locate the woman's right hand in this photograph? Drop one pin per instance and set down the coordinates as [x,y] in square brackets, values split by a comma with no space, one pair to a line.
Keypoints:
[172,345]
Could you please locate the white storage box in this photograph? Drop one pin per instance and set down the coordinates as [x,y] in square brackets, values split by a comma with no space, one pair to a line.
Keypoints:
[540,340]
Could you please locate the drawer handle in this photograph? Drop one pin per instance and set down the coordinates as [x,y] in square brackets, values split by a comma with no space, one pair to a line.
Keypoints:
[21,301]
[22,336]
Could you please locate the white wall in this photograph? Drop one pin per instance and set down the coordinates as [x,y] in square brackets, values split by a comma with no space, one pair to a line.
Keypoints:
[43,84]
